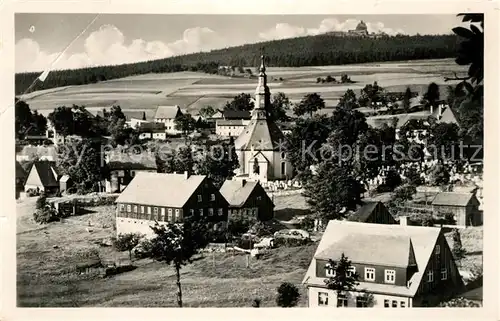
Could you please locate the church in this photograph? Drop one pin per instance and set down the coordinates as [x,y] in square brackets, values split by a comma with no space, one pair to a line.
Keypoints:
[261,145]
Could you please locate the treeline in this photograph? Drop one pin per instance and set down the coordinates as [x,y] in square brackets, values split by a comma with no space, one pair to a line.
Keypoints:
[302,51]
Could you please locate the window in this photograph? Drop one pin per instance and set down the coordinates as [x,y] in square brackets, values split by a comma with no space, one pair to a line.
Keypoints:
[210,212]
[149,210]
[330,271]
[220,211]
[212,197]
[322,298]
[163,214]
[129,208]
[390,276]
[201,212]
[386,304]
[361,302]
[135,208]
[283,168]
[342,301]
[169,217]
[191,211]
[430,276]
[369,274]
[200,198]
[438,249]
[402,304]
[394,303]
[351,271]
[283,155]
[444,274]
[177,215]
[132,173]
[142,210]
[155,210]
[259,198]
[122,207]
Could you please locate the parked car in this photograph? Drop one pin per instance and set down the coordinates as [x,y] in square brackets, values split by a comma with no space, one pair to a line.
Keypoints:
[292,234]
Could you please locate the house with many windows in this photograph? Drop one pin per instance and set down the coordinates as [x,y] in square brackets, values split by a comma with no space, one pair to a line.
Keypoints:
[168,198]
[399,266]
[247,199]
[167,115]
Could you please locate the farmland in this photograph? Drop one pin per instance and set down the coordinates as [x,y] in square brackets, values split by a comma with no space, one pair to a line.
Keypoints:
[193,90]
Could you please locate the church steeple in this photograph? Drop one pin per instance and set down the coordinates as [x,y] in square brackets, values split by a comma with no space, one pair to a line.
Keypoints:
[262,93]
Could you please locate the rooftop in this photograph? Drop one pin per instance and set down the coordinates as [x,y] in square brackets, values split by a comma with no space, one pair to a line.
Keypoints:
[167,112]
[452,199]
[236,192]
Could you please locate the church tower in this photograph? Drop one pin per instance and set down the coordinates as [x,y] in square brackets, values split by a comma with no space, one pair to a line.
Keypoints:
[260,146]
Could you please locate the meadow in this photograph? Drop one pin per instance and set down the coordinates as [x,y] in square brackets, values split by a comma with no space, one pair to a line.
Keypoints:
[194,90]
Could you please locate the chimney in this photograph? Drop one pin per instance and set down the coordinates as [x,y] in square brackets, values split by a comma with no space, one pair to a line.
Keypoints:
[186,174]
[243,182]
[403,220]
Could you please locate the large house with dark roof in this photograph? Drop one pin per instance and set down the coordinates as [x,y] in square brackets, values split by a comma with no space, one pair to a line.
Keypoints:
[398,266]
[168,198]
[260,145]
[372,212]
[463,206]
[247,199]
[43,176]
[124,166]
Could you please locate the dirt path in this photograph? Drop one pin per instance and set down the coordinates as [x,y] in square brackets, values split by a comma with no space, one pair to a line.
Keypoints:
[24,216]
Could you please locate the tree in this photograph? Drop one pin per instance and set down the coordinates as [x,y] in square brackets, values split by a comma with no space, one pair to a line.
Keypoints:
[41,201]
[444,139]
[432,94]
[185,123]
[348,100]
[183,161]
[166,162]
[406,99]
[392,179]
[343,279]
[241,70]
[288,295]
[23,118]
[439,175]
[332,191]
[127,242]
[177,244]
[219,163]
[207,112]
[80,158]
[457,250]
[309,104]
[240,102]
[371,95]
[279,105]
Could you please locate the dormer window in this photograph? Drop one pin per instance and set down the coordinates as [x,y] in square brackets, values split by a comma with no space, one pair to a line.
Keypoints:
[369,274]
[199,198]
[430,276]
[351,271]
[330,271]
[390,276]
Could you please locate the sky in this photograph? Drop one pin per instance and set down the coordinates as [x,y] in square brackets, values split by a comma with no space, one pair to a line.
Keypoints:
[125,38]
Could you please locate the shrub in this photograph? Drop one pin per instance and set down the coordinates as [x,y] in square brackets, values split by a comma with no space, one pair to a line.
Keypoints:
[256,303]
[460,303]
[41,202]
[261,229]
[457,249]
[307,223]
[288,295]
[45,215]
[127,242]
[143,249]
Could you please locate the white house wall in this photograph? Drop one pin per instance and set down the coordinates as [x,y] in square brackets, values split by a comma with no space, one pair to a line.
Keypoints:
[378,299]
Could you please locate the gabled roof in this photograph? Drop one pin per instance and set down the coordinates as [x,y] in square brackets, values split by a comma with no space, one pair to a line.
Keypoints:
[158,189]
[20,172]
[236,192]
[236,114]
[260,133]
[448,116]
[364,212]
[378,121]
[47,172]
[452,199]
[167,112]
[229,122]
[423,240]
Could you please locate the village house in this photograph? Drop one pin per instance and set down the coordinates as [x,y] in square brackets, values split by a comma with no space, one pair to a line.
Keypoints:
[398,266]
[167,116]
[247,199]
[20,178]
[372,212]
[168,198]
[43,176]
[230,127]
[124,166]
[463,206]
[259,147]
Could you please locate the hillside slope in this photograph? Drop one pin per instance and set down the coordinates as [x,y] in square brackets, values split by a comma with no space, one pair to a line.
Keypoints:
[304,51]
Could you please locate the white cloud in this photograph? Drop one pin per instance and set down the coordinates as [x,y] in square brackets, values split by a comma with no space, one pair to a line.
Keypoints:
[108,46]
[285,30]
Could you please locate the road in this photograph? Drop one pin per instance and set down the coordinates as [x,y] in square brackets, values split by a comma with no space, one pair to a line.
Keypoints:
[24,212]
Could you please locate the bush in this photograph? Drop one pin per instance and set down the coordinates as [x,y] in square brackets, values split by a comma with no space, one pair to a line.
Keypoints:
[256,303]
[261,229]
[290,242]
[460,303]
[41,202]
[288,295]
[45,215]
[127,242]
[143,249]
[307,223]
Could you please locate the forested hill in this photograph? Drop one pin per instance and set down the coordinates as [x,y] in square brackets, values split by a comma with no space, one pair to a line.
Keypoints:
[304,51]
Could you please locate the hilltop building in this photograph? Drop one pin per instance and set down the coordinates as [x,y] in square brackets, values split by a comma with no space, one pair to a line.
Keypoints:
[259,146]
[361,29]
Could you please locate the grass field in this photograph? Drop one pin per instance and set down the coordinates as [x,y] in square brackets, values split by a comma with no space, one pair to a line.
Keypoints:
[193,90]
